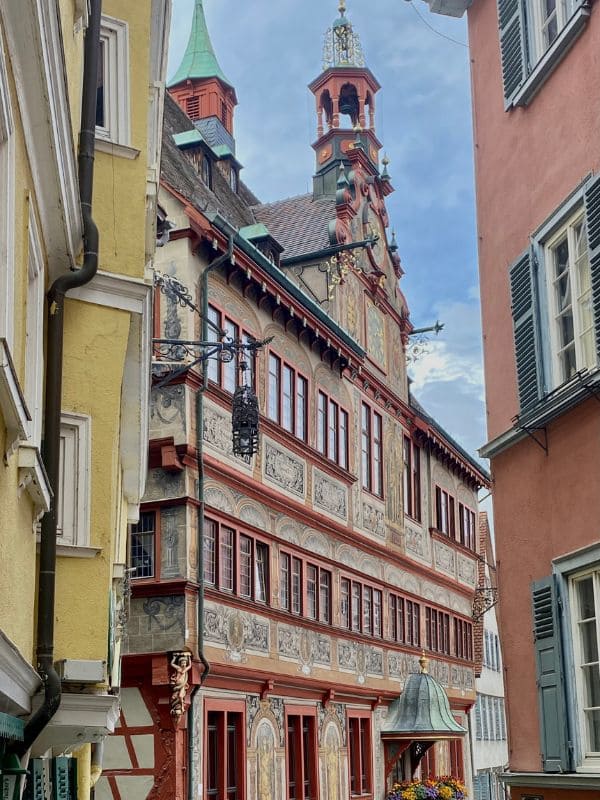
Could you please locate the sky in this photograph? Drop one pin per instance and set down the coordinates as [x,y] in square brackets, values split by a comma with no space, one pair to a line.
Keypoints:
[270,50]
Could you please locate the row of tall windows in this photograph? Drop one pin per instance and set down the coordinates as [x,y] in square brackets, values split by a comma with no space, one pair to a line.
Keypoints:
[287,405]
[238,563]
[227,373]
[225,753]
[445,519]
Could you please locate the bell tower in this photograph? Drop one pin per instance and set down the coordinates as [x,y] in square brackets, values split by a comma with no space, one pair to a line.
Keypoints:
[345,103]
[200,87]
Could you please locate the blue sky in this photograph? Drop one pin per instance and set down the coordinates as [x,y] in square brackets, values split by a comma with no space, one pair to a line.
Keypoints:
[270,50]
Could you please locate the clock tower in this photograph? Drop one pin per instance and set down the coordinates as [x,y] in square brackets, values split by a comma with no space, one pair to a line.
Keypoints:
[345,103]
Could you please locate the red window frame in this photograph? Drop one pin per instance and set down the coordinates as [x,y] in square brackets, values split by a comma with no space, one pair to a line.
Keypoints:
[333,426]
[437,630]
[226,373]
[232,559]
[457,769]
[296,576]
[225,726]
[445,521]
[467,526]
[296,404]
[361,606]
[463,639]
[359,754]
[428,765]
[371,427]
[301,753]
[404,620]
[411,457]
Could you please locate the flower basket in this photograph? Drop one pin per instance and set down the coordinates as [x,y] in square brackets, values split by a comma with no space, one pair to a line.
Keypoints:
[444,788]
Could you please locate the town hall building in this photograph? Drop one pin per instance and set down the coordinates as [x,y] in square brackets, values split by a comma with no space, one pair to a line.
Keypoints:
[289,602]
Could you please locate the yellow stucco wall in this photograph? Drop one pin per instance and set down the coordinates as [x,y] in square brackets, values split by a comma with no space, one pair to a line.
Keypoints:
[17,539]
[95,346]
[120,183]
[94,357]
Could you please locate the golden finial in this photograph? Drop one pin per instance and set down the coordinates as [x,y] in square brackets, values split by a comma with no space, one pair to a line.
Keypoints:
[342,7]
[385,160]
[424,662]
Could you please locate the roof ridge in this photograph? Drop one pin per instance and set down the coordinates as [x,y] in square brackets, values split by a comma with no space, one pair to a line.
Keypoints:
[284,200]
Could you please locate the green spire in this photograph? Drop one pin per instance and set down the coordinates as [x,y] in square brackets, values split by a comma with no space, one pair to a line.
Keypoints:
[199,60]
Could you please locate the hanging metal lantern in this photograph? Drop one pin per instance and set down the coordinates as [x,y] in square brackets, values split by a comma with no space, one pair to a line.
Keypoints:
[244,421]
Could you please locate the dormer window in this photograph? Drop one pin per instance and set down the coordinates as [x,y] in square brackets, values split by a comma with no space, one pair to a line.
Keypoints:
[233,179]
[206,171]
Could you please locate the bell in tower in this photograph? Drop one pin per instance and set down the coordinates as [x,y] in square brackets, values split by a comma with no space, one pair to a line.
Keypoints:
[345,102]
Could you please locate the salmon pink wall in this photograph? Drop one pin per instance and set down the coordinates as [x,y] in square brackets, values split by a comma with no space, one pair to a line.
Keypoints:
[542,509]
[527,161]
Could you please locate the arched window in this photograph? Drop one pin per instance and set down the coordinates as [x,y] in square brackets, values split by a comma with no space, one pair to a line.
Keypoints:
[349,102]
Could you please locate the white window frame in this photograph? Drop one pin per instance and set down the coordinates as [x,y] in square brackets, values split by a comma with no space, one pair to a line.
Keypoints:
[114,37]
[34,332]
[588,763]
[566,228]
[7,207]
[74,480]
[538,45]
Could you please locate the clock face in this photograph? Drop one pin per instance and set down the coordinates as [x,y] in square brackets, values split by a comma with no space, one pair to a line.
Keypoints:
[374,229]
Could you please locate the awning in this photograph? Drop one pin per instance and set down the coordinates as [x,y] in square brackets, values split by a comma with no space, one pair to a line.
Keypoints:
[422,712]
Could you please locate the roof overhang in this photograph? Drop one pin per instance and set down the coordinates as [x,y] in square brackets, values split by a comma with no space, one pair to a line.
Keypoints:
[449,8]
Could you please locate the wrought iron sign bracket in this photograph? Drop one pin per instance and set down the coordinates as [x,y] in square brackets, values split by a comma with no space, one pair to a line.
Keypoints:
[486,597]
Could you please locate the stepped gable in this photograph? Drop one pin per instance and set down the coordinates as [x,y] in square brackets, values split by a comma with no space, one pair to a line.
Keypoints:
[179,173]
[300,224]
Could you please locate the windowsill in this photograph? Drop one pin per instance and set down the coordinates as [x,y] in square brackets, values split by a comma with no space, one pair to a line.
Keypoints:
[33,477]
[551,58]
[593,768]
[12,402]
[552,780]
[413,519]
[77,551]
[372,494]
[73,550]
[445,537]
[104,145]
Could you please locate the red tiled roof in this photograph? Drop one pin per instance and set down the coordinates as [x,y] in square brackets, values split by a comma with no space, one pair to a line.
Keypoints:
[300,224]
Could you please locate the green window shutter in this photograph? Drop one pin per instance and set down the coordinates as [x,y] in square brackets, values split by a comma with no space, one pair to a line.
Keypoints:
[512,45]
[34,785]
[478,727]
[592,213]
[524,312]
[550,678]
[64,780]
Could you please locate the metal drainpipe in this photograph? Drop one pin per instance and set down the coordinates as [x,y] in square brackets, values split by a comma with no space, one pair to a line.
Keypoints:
[200,497]
[53,385]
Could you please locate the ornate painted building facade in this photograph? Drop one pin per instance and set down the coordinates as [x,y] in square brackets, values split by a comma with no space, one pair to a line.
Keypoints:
[299,586]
